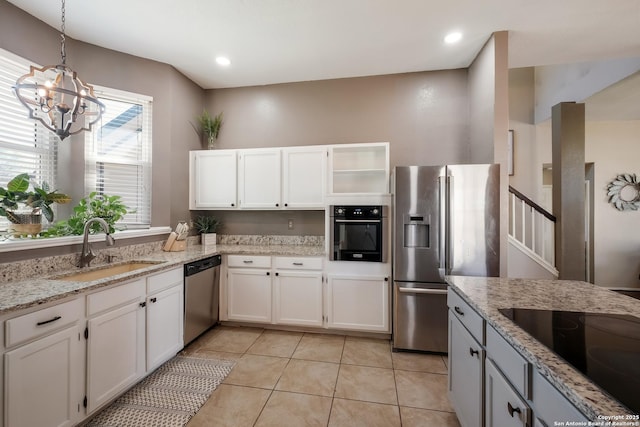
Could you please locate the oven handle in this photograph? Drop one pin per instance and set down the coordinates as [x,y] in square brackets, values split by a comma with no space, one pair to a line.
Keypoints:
[423,291]
[358,220]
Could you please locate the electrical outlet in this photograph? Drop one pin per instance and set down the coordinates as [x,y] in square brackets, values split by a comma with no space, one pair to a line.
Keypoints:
[290,224]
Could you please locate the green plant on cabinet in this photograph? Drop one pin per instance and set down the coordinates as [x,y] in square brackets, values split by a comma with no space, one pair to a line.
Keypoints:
[210,126]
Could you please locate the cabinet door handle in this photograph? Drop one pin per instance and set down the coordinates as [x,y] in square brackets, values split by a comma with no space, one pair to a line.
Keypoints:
[298,263]
[277,205]
[457,309]
[473,352]
[511,409]
[286,204]
[248,261]
[154,299]
[49,321]
[277,274]
[233,204]
[143,304]
[268,273]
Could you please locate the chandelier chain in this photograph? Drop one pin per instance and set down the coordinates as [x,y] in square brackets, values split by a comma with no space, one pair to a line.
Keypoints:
[63,51]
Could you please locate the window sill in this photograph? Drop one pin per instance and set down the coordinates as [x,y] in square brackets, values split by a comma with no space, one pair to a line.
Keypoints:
[11,245]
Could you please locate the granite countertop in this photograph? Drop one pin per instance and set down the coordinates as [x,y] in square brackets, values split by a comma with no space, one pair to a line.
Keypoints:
[21,294]
[487,295]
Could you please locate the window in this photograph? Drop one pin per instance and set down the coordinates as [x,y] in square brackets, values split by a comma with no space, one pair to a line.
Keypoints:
[118,154]
[25,145]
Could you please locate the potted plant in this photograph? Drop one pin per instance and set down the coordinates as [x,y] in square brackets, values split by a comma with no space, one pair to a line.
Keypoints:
[206,226]
[210,126]
[24,208]
[109,208]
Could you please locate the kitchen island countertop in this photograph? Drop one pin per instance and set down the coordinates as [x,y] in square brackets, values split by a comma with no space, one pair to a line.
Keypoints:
[22,294]
[486,295]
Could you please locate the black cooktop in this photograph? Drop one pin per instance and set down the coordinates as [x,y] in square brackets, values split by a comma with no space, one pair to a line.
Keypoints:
[605,347]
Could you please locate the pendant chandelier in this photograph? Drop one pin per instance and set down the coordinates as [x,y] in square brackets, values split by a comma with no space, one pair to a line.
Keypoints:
[57,98]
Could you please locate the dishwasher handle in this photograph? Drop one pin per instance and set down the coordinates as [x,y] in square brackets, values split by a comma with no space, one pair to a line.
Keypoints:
[202,265]
[422,291]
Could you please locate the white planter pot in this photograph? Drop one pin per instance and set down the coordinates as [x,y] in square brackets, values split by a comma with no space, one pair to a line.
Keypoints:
[208,239]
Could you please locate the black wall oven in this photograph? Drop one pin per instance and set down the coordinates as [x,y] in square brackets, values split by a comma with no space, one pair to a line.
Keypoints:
[358,233]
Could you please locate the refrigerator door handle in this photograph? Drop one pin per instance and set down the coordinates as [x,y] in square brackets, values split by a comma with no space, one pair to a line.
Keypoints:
[423,291]
[442,224]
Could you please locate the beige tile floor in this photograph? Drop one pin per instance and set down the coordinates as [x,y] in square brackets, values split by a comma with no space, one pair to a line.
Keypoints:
[304,379]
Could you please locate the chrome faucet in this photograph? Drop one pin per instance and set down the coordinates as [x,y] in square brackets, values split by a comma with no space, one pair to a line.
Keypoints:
[87,253]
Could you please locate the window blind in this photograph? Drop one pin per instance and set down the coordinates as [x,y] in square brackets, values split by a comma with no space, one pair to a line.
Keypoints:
[25,144]
[118,154]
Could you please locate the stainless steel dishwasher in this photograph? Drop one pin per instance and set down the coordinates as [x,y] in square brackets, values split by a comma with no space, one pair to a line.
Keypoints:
[201,296]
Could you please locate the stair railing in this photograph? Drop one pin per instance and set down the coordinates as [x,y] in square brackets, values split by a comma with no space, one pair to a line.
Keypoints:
[532,226]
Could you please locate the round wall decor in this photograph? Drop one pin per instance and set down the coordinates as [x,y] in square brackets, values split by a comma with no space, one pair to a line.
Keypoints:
[624,192]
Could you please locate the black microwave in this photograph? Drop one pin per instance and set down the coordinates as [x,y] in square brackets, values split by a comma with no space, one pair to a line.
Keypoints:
[358,233]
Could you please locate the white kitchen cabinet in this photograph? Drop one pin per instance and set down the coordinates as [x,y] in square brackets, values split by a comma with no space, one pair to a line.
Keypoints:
[359,168]
[358,303]
[298,291]
[115,342]
[43,383]
[259,179]
[504,407]
[165,316]
[466,361]
[249,288]
[213,179]
[304,177]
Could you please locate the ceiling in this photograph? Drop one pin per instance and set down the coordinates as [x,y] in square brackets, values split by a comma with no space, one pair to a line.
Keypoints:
[277,41]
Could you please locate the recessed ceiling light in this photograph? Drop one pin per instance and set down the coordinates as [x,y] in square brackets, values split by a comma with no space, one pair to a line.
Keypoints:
[223,60]
[453,37]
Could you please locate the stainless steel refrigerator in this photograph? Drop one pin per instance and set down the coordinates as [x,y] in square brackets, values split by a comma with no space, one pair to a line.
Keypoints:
[446,223]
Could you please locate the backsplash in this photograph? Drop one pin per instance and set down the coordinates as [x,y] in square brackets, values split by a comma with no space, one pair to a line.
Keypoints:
[46,266]
[268,240]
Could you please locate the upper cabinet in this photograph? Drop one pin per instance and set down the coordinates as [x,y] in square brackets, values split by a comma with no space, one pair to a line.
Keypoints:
[213,178]
[286,178]
[304,177]
[259,179]
[359,168]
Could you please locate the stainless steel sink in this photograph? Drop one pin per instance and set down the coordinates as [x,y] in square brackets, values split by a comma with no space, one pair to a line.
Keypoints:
[107,271]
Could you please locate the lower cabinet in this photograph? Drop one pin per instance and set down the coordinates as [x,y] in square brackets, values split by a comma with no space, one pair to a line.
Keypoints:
[249,294]
[495,386]
[115,343]
[297,298]
[358,303]
[44,366]
[165,320]
[43,385]
[165,317]
[504,406]
[87,351]
[289,290]
[466,362]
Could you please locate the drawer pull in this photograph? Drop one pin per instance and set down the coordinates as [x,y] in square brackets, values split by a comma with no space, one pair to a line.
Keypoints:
[457,309]
[298,263]
[247,261]
[49,321]
[511,409]
[473,352]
